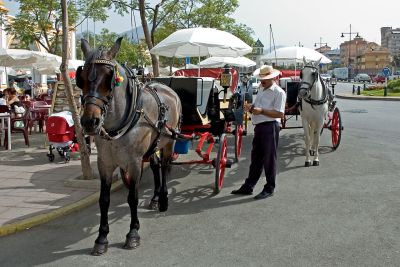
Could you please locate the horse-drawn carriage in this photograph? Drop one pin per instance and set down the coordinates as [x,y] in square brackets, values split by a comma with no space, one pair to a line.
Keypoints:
[310,97]
[211,110]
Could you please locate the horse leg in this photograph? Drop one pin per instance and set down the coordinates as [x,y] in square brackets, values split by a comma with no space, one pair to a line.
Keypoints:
[132,238]
[165,169]
[101,243]
[316,138]
[155,167]
[306,128]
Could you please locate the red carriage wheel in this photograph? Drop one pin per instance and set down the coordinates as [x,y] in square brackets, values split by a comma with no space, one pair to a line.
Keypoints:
[220,163]
[336,128]
[238,141]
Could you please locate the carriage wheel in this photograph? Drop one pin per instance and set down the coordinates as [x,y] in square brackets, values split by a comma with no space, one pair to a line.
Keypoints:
[336,128]
[238,141]
[220,163]
[283,122]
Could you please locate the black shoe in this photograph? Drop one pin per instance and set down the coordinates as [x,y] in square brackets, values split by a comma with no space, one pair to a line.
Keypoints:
[243,190]
[264,194]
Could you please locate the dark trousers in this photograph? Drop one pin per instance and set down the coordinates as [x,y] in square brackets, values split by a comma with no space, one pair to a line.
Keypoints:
[264,154]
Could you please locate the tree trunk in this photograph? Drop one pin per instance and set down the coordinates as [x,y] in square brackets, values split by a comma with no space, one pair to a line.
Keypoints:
[154,58]
[84,152]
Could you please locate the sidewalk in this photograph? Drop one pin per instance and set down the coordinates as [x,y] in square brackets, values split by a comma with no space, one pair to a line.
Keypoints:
[363,97]
[34,191]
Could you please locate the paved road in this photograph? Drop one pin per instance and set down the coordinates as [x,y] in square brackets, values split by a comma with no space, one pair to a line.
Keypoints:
[345,212]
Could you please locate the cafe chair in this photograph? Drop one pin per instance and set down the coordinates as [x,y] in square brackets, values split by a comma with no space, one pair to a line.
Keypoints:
[20,125]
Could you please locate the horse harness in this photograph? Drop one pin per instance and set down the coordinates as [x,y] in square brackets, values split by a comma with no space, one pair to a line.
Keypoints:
[135,104]
[309,87]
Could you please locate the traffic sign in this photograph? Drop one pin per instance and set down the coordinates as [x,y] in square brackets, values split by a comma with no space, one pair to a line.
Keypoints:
[386,72]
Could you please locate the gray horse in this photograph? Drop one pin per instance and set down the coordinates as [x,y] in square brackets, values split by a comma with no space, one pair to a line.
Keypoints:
[130,121]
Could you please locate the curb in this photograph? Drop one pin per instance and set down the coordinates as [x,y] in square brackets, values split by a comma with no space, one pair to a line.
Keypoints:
[22,225]
[360,97]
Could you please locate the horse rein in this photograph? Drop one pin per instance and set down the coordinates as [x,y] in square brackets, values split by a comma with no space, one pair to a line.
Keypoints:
[309,87]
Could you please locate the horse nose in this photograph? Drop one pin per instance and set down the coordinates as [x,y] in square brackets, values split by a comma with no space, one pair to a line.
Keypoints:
[90,124]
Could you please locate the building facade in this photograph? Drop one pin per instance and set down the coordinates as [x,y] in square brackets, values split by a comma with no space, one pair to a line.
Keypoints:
[362,56]
[390,39]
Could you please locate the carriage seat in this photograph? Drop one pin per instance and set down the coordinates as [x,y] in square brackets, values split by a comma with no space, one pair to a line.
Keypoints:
[292,91]
[194,93]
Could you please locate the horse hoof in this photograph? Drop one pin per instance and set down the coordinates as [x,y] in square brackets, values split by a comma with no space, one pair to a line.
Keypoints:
[315,163]
[307,164]
[99,249]
[153,205]
[132,242]
[162,206]
[163,203]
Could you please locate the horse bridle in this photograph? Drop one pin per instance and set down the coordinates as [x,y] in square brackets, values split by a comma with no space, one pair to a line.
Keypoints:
[134,100]
[92,96]
[308,87]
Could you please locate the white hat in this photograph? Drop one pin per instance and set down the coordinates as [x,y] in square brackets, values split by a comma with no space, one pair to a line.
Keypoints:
[267,72]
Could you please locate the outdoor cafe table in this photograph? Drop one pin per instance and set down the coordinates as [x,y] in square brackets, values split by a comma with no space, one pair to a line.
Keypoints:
[6,126]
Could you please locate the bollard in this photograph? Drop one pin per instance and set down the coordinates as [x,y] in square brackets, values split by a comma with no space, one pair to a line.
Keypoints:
[365,86]
[358,90]
[354,89]
[385,91]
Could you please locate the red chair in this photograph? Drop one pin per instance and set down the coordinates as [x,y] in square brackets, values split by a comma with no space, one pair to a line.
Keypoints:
[16,128]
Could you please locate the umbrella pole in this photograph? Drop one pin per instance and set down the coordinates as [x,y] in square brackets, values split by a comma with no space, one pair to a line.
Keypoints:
[5,70]
[199,64]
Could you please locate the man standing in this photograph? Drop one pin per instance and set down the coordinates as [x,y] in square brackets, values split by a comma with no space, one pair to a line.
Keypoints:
[267,111]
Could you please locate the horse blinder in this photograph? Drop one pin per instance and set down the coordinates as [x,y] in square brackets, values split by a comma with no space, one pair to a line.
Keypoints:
[78,77]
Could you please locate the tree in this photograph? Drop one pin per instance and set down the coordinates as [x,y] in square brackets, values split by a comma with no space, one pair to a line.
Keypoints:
[130,53]
[40,21]
[85,160]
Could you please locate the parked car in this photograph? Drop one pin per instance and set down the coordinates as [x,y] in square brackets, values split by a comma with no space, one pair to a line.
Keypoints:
[326,77]
[254,84]
[362,77]
[379,78]
[394,76]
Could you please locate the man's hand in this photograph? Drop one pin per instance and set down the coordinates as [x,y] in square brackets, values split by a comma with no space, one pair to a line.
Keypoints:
[247,106]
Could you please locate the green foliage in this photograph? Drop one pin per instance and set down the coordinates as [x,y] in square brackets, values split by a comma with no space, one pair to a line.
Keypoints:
[132,54]
[202,13]
[394,84]
[40,21]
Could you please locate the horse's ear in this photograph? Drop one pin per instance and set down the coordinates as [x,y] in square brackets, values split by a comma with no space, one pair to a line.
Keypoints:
[319,61]
[114,50]
[85,47]
[304,60]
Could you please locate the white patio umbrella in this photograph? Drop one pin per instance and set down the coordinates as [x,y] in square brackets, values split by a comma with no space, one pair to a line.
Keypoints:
[198,42]
[232,61]
[195,42]
[295,54]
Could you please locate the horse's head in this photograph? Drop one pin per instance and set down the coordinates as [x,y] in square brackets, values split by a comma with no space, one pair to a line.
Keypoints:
[97,79]
[309,76]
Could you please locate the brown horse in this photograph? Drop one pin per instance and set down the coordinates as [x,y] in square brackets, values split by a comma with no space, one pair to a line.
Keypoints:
[130,121]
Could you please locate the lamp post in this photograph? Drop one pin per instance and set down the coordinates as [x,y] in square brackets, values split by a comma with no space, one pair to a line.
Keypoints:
[320,43]
[349,46]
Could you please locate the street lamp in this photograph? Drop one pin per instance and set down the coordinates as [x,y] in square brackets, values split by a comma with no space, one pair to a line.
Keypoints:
[320,43]
[350,34]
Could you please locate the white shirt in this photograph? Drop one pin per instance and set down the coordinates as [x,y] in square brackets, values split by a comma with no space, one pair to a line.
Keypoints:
[272,98]
[3,101]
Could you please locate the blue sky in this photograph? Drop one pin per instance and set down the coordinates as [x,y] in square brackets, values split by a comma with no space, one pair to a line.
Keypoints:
[294,21]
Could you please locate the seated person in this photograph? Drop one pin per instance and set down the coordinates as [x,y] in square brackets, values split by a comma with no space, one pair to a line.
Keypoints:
[12,101]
